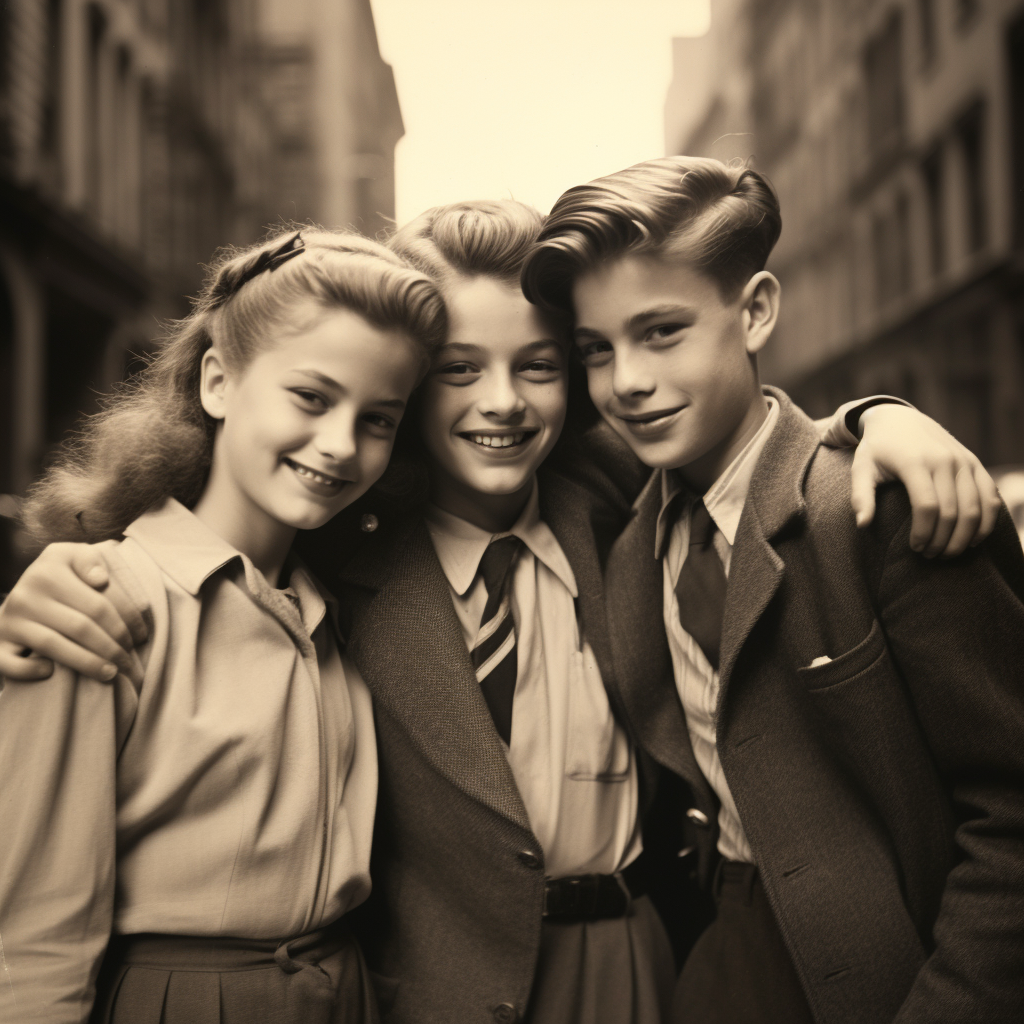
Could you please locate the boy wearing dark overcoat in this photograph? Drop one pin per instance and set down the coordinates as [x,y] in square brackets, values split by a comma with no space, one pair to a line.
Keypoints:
[845,715]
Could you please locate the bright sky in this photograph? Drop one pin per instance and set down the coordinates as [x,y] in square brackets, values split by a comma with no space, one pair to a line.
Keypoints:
[525,98]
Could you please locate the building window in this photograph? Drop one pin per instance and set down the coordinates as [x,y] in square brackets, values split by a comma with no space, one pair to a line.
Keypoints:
[890,241]
[1015,46]
[971,134]
[52,79]
[966,11]
[883,73]
[931,172]
[926,31]
[97,28]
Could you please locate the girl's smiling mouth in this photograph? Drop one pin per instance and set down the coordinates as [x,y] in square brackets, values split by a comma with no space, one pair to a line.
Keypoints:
[499,441]
[315,479]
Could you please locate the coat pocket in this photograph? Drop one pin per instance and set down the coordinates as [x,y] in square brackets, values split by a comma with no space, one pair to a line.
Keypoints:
[849,664]
[597,749]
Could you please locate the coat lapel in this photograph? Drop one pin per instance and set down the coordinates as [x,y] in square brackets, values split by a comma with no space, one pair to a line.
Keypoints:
[775,502]
[643,664]
[408,644]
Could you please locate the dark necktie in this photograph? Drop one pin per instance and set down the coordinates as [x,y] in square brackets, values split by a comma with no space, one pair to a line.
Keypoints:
[700,588]
[494,650]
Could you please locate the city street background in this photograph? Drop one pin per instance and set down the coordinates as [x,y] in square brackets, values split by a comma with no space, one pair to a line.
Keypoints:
[138,136]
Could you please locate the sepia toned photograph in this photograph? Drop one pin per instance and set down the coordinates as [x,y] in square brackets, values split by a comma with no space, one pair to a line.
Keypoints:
[511,512]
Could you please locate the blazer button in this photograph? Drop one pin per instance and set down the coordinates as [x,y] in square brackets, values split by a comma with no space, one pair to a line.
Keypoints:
[505,1013]
[369,523]
[698,817]
[531,860]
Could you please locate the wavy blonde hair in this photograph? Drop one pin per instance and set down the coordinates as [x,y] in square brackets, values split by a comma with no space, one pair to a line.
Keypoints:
[153,439]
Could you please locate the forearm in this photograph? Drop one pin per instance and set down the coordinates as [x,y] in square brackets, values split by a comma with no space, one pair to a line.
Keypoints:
[57,806]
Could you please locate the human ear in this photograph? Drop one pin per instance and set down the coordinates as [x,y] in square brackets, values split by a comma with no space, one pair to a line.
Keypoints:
[760,302]
[213,382]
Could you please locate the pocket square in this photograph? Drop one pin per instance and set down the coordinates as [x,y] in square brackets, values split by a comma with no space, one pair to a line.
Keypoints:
[822,659]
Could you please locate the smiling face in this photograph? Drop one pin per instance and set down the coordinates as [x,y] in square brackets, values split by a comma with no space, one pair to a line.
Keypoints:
[669,360]
[493,403]
[306,427]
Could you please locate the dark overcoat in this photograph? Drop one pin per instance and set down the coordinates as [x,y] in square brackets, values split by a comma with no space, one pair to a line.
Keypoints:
[453,927]
[882,791]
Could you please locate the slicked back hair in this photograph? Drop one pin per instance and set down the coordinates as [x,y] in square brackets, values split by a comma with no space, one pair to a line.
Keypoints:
[720,219]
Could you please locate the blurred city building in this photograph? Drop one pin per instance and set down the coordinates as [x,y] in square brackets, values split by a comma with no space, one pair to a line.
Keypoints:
[893,131]
[136,138]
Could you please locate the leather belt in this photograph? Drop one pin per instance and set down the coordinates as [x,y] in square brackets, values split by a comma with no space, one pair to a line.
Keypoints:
[590,897]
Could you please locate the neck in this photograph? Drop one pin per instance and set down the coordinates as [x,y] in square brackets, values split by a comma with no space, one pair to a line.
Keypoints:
[703,472]
[244,525]
[494,513]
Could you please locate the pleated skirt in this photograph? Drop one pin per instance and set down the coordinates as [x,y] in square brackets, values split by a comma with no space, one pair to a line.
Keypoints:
[319,978]
[618,971]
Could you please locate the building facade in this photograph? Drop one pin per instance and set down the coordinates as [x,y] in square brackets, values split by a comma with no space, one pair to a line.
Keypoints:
[136,138]
[893,131]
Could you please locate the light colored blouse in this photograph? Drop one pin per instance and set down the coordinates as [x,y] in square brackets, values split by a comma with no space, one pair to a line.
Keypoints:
[571,760]
[228,790]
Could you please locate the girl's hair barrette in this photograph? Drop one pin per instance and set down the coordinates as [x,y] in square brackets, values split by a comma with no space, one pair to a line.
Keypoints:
[269,259]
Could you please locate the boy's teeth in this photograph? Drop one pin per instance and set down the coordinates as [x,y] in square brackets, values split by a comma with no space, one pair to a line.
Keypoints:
[499,442]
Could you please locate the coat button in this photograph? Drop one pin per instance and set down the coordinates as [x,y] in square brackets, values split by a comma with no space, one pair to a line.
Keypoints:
[505,1013]
[369,523]
[698,817]
[531,860]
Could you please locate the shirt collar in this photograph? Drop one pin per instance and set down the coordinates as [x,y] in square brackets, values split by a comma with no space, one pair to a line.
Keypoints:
[726,497]
[188,551]
[460,545]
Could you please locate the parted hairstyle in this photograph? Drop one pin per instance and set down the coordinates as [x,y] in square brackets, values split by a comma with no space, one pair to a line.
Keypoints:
[482,238]
[153,439]
[721,219]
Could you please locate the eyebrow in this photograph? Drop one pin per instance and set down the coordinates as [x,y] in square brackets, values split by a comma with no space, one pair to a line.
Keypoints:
[330,382]
[463,346]
[643,316]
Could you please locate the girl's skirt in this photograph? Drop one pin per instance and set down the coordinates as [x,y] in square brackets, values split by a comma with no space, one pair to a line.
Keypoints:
[319,978]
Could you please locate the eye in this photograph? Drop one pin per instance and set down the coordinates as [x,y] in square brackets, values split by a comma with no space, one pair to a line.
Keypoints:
[594,352]
[541,369]
[310,400]
[663,332]
[457,373]
[380,422]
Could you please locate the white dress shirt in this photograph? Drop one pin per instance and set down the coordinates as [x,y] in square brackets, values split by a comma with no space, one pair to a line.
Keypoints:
[572,762]
[696,681]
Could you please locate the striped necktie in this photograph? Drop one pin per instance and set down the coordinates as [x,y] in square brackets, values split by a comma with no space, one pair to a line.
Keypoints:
[700,588]
[494,650]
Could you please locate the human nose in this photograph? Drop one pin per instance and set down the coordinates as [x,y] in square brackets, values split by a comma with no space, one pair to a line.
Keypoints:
[337,439]
[631,375]
[501,398]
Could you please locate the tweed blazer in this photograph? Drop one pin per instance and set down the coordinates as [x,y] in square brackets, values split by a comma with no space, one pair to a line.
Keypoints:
[452,930]
[883,790]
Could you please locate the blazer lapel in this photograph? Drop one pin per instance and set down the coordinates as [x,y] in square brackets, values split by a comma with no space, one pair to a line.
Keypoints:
[643,663]
[774,503]
[408,644]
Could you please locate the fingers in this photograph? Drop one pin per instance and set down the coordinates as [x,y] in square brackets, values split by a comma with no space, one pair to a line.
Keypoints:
[88,563]
[944,483]
[49,644]
[969,507]
[991,502]
[124,620]
[863,482]
[925,505]
[25,668]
